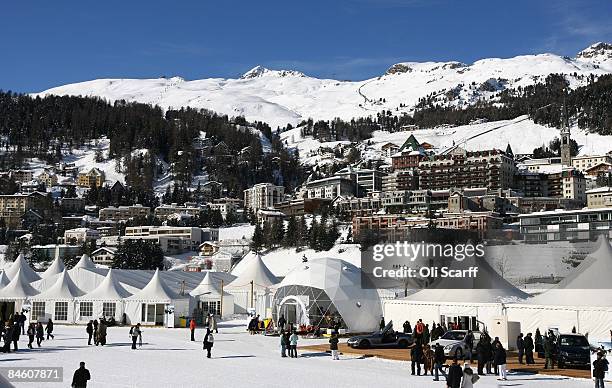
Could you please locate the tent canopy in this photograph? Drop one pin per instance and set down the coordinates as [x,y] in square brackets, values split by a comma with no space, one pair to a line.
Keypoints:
[588,285]
[64,288]
[155,290]
[18,288]
[208,286]
[3,279]
[27,272]
[85,262]
[109,289]
[57,267]
[253,270]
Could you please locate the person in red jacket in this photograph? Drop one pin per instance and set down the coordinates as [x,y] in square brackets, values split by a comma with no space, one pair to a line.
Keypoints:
[192,326]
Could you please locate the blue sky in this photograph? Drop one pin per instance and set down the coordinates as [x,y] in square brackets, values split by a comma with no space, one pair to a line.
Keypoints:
[50,43]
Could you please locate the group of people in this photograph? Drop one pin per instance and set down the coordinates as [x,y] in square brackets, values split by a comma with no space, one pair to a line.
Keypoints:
[288,343]
[525,347]
[210,323]
[96,331]
[11,332]
[423,330]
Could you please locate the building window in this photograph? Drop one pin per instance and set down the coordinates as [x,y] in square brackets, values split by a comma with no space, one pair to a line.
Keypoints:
[86,310]
[61,311]
[38,310]
[211,307]
[108,309]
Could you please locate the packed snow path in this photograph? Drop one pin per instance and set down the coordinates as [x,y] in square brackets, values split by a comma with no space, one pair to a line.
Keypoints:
[168,359]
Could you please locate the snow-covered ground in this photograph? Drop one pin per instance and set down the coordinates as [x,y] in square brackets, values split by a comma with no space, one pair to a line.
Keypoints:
[279,97]
[168,359]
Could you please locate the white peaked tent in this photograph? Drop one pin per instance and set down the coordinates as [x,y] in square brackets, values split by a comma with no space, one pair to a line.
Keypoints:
[582,300]
[85,263]
[57,267]
[27,272]
[15,293]
[326,288]
[589,285]
[208,294]
[470,302]
[148,305]
[105,300]
[252,269]
[488,287]
[59,299]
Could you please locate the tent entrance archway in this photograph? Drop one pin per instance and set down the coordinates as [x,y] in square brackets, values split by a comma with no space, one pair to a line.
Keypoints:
[294,311]
[7,309]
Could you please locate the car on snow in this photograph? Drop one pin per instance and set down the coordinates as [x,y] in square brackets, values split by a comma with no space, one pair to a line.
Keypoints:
[453,342]
[574,350]
[385,338]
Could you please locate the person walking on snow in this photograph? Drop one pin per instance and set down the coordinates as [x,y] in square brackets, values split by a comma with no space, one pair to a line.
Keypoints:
[192,327]
[333,345]
[135,333]
[89,331]
[600,366]
[49,329]
[439,360]
[293,340]
[284,343]
[31,334]
[209,340]
[212,323]
[455,375]
[40,333]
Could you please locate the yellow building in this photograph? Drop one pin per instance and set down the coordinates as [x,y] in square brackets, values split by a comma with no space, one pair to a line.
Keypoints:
[12,207]
[91,178]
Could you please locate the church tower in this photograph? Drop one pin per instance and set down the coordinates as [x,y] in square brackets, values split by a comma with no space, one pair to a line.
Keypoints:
[566,156]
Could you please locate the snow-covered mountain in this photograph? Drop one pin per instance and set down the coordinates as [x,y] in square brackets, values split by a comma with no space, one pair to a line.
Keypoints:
[279,97]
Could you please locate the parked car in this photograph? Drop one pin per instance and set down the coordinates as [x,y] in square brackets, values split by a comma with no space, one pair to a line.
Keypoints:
[453,342]
[385,338]
[573,349]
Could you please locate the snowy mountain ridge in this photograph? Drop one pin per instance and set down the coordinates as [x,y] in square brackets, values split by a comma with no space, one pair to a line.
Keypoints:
[279,97]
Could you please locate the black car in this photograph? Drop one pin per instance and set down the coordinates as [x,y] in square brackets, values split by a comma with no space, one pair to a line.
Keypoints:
[574,350]
[385,338]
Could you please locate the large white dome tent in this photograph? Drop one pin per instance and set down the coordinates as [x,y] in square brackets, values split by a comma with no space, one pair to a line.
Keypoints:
[323,289]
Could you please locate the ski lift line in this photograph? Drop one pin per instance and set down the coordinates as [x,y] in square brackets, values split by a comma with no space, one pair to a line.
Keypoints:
[465,140]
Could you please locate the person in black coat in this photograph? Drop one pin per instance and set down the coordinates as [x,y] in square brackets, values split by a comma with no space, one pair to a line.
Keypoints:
[529,346]
[439,360]
[416,356]
[493,347]
[500,360]
[282,322]
[89,331]
[208,342]
[15,337]
[520,346]
[95,332]
[407,327]
[49,329]
[40,333]
[600,366]
[81,377]
[333,345]
[455,374]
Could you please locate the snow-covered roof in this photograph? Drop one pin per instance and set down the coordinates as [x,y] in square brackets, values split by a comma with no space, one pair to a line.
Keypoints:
[21,265]
[18,288]
[155,290]
[64,288]
[55,268]
[109,289]
[252,269]
[359,306]
[604,189]
[589,284]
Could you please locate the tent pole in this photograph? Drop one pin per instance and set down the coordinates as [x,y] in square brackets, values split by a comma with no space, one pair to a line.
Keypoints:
[252,296]
[221,304]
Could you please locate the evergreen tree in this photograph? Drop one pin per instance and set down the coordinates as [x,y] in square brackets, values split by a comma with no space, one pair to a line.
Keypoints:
[257,241]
